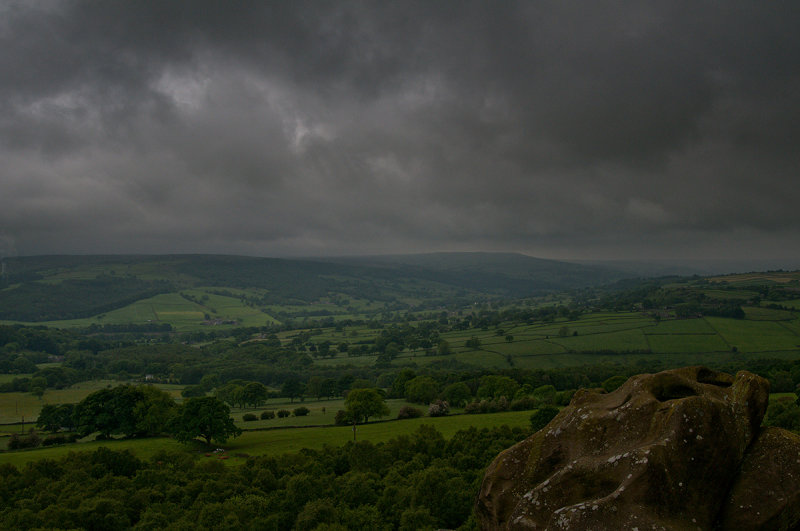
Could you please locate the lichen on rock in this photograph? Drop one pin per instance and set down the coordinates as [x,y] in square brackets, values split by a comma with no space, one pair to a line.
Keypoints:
[661,452]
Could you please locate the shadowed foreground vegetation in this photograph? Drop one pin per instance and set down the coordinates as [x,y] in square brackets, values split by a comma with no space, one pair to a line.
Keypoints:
[410,482]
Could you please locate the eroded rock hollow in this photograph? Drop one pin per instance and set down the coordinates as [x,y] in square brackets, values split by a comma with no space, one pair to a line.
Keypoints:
[681,449]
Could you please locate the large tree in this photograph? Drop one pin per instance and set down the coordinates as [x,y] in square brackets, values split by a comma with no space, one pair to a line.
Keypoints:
[254,394]
[292,388]
[109,411]
[53,417]
[320,387]
[361,404]
[457,394]
[422,390]
[494,386]
[205,417]
[154,411]
[126,409]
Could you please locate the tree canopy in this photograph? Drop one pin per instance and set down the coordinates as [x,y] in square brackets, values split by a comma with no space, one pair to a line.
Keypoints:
[126,409]
[422,389]
[205,417]
[361,404]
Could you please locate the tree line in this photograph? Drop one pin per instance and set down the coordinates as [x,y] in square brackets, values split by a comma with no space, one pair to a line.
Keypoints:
[141,411]
[413,482]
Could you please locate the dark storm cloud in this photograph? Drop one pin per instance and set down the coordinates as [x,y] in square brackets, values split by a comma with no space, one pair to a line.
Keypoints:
[592,129]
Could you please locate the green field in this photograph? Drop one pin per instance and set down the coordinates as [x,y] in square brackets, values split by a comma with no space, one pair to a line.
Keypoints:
[694,343]
[597,338]
[791,304]
[682,326]
[739,294]
[280,441]
[767,314]
[755,336]
[623,341]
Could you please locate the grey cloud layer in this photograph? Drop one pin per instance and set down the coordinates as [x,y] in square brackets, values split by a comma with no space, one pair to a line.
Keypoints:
[595,129]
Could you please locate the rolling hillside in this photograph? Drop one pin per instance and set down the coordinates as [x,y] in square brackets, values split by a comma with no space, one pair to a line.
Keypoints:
[57,288]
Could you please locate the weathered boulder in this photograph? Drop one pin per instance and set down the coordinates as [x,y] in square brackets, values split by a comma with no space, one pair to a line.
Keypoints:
[661,452]
[766,493]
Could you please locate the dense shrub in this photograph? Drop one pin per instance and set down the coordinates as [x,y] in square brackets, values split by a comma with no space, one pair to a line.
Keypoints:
[193,391]
[283,413]
[301,411]
[783,413]
[267,415]
[438,408]
[342,418]
[50,440]
[32,440]
[563,398]
[249,417]
[487,406]
[409,412]
[523,404]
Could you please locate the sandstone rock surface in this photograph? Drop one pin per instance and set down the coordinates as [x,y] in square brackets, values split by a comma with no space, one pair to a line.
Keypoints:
[664,451]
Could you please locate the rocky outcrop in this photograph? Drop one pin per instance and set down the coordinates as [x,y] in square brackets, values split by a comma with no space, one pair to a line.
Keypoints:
[766,492]
[681,449]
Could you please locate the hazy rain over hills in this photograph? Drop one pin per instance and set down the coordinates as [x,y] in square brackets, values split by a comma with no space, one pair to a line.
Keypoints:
[589,130]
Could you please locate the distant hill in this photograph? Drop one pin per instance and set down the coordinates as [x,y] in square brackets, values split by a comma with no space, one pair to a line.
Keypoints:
[509,274]
[663,267]
[48,288]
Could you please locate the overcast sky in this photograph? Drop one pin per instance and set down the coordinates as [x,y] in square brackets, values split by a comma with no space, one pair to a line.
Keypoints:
[559,129]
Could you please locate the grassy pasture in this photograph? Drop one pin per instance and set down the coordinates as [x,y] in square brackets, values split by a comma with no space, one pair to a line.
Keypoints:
[755,336]
[730,295]
[792,326]
[694,343]
[230,308]
[601,327]
[281,441]
[682,326]
[540,345]
[622,341]
[526,347]
[767,314]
